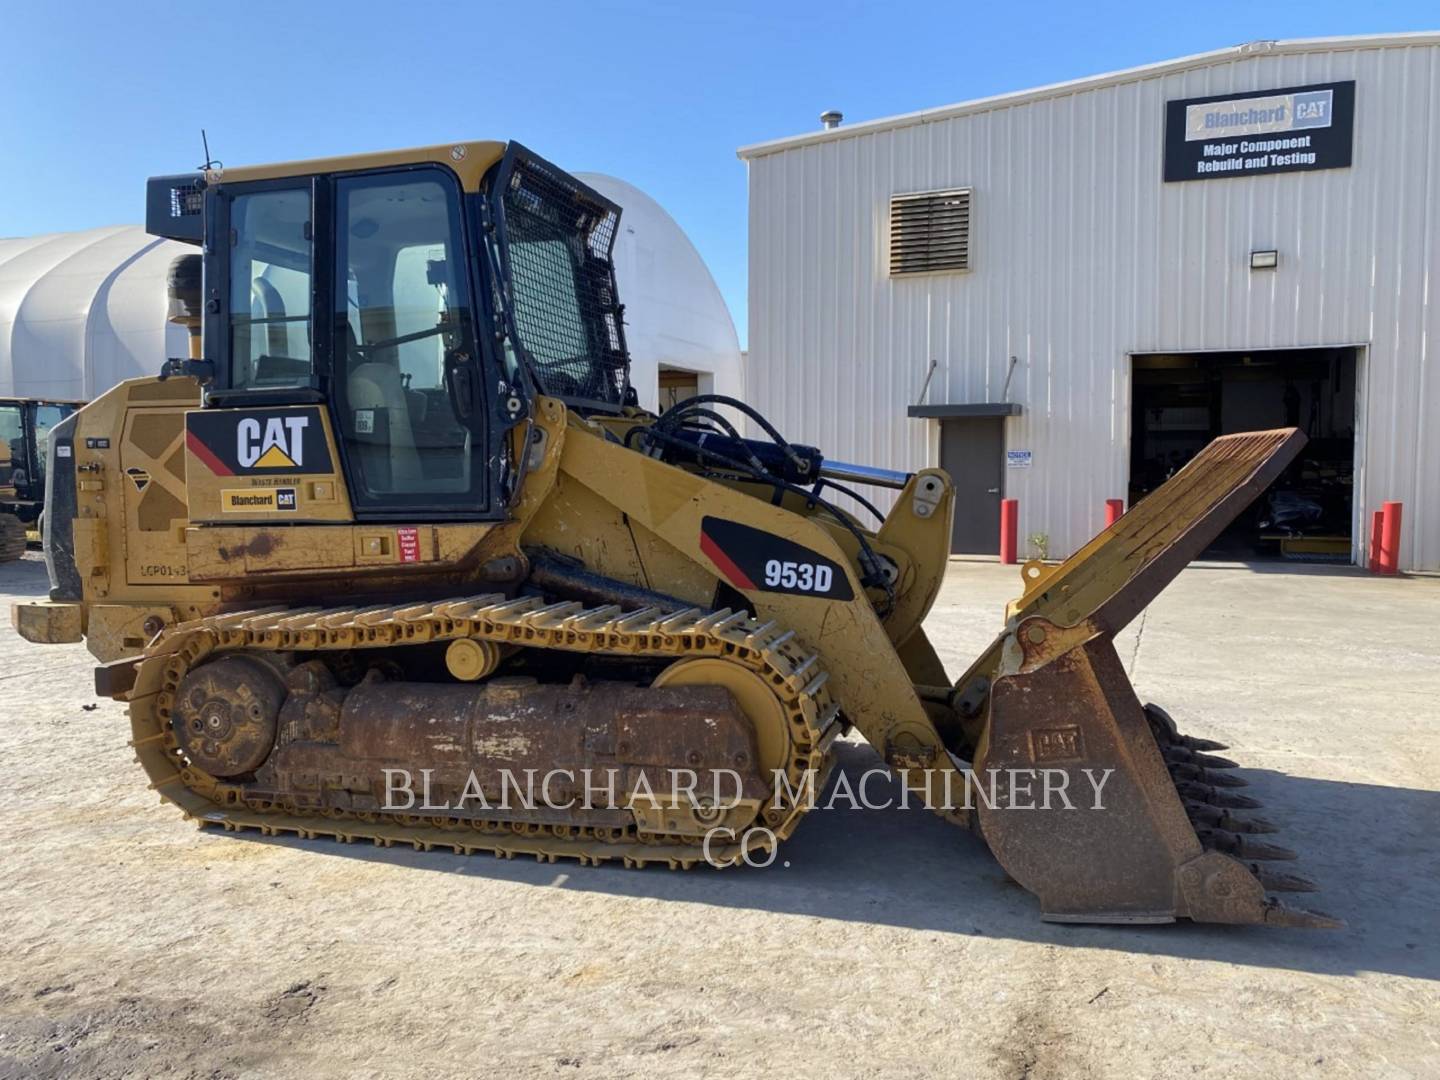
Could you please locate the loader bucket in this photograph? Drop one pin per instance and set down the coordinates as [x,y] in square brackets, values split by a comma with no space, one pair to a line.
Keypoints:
[1158,830]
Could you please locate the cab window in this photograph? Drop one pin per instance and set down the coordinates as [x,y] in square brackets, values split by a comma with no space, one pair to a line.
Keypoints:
[46,417]
[402,332]
[270,270]
[12,447]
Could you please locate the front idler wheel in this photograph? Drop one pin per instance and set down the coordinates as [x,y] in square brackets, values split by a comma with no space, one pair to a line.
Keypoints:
[227,713]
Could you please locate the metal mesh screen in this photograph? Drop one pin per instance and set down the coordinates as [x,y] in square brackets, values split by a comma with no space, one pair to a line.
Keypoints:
[567,316]
[186,199]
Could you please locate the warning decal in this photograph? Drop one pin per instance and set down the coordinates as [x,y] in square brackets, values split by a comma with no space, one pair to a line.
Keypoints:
[407,543]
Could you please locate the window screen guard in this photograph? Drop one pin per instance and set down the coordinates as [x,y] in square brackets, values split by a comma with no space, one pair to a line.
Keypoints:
[557,239]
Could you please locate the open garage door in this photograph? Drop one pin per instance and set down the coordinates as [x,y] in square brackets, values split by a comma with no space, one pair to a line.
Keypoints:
[676,385]
[1180,401]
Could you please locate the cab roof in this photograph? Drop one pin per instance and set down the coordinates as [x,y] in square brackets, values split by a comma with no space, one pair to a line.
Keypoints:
[469,160]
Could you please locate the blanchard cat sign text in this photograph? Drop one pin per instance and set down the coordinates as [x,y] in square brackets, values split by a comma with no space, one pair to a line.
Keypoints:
[1271,131]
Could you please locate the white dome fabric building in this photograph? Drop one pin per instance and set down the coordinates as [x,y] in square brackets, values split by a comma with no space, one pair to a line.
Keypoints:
[81,311]
[676,321]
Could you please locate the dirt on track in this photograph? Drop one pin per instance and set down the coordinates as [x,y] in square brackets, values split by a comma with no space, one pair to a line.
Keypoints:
[891,945]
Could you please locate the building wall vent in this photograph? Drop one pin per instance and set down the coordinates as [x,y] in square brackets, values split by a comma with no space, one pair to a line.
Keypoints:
[930,232]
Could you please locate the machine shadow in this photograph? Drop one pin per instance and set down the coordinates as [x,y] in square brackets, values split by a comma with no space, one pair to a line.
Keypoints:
[1289,567]
[24,578]
[1374,851]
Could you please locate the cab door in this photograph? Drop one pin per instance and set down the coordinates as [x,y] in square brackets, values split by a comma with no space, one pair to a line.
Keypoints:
[42,417]
[408,401]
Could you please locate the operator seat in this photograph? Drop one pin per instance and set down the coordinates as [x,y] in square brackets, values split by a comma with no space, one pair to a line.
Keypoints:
[375,385]
[273,365]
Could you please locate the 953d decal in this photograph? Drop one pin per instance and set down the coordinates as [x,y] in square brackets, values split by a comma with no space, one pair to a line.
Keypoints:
[753,560]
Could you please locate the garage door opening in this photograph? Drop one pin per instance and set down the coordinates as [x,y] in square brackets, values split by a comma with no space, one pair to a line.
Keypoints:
[676,385]
[1180,401]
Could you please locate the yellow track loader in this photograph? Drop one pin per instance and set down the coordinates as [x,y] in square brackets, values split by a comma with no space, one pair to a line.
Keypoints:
[394,555]
[25,425]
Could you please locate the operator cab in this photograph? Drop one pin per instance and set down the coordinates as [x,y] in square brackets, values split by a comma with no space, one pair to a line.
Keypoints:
[25,427]
[423,298]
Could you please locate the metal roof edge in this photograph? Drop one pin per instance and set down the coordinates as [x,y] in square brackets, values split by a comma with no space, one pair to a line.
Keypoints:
[1090,82]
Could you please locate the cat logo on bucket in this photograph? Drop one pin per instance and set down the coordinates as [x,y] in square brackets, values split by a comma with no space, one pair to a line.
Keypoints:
[279,445]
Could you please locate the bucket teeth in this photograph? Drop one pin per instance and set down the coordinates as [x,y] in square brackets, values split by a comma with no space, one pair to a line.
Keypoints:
[1215,778]
[1238,844]
[1253,826]
[1276,913]
[1258,849]
[1168,735]
[1184,755]
[1214,761]
[1275,881]
[1202,782]
[1161,724]
[1190,742]
[1206,794]
[1221,779]
[1217,818]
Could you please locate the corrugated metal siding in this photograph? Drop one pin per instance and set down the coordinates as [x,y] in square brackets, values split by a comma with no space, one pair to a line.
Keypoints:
[1081,256]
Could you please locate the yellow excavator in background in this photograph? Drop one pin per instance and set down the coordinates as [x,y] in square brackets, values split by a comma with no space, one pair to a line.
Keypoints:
[397,522]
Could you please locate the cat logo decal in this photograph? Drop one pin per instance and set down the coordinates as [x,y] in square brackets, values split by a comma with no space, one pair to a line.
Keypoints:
[258,441]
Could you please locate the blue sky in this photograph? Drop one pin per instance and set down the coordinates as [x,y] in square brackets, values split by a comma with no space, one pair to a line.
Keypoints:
[96,96]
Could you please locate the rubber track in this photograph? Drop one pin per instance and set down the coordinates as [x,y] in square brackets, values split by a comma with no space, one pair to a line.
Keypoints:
[795,674]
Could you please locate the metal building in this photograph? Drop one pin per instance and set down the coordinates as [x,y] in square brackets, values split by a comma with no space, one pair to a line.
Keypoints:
[1059,294]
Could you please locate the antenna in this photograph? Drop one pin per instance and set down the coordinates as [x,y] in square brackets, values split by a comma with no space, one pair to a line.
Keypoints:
[210,163]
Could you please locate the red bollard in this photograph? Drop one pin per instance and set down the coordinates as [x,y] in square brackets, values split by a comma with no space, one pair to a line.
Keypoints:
[1390,538]
[1375,528]
[1113,509]
[1009,529]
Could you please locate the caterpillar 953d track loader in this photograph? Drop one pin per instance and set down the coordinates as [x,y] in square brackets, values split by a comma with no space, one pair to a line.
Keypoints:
[398,515]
